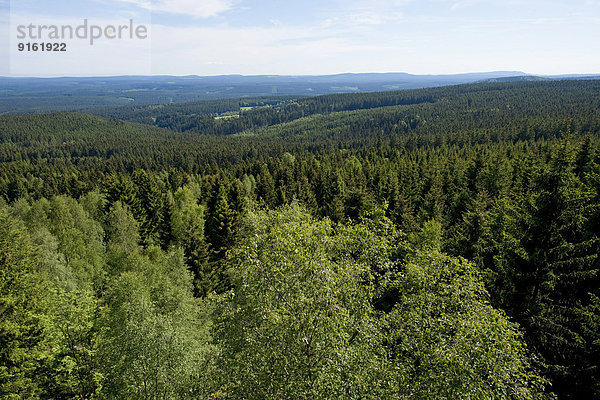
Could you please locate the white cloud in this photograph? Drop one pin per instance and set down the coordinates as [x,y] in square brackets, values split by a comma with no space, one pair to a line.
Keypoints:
[382,3]
[374,17]
[276,49]
[367,13]
[194,8]
[464,4]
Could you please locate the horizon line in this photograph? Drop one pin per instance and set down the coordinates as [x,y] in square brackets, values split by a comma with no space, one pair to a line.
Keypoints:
[275,75]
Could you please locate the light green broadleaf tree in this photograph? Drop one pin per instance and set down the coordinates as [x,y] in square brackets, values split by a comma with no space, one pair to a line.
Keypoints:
[326,311]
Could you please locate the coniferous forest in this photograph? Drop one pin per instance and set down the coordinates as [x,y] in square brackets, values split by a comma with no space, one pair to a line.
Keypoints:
[439,243]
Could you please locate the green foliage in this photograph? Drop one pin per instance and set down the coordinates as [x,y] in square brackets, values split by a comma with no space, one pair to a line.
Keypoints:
[187,222]
[297,324]
[21,336]
[72,367]
[156,343]
[543,260]
[79,240]
[132,331]
[122,228]
[430,237]
[324,312]
[448,341]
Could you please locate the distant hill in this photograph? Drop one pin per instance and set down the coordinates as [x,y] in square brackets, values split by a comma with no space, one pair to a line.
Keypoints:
[79,94]
[74,94]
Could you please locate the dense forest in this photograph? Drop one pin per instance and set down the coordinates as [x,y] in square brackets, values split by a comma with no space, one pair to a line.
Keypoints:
[432,243]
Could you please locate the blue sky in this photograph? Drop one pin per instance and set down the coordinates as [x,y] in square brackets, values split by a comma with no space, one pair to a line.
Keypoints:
[211,37]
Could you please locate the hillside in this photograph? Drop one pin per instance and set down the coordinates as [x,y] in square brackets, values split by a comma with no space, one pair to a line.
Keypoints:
[390,191]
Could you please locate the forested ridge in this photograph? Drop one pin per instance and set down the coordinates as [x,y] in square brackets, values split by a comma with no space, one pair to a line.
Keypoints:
[434,243]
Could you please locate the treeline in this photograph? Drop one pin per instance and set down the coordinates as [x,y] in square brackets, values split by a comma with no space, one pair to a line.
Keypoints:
[507,176]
